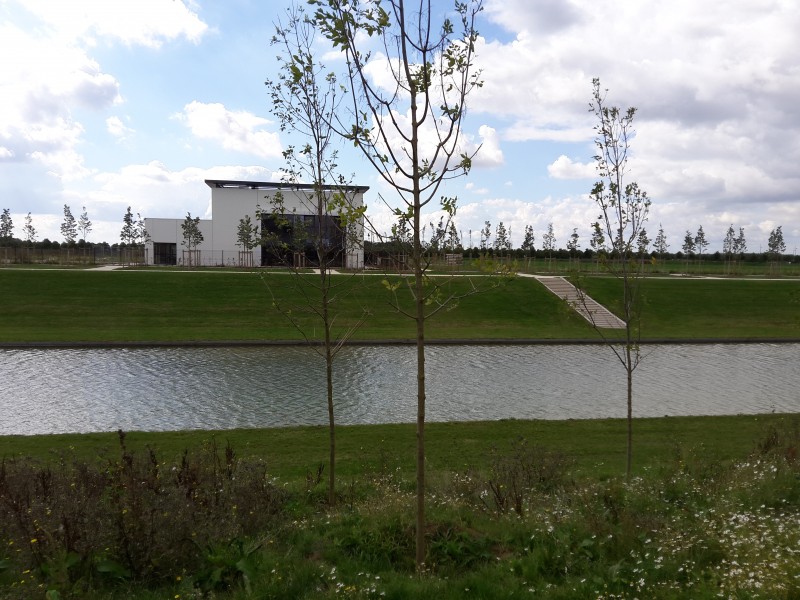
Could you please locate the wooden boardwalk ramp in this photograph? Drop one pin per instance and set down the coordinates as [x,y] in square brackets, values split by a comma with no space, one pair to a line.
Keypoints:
[588,308]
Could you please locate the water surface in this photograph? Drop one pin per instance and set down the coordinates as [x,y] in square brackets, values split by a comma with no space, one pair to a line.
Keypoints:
[163,389]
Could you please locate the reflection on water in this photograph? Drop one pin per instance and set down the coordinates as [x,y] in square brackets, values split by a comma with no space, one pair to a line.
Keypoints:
[80,390]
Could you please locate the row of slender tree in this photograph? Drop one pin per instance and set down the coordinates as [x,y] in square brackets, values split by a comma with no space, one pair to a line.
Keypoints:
[500,242]
[133,229]
[69,227]
[694,245]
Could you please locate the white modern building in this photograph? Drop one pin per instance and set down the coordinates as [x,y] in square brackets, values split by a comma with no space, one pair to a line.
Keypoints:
[285,211]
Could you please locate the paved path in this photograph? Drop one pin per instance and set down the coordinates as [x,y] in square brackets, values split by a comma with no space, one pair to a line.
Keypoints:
[589,309]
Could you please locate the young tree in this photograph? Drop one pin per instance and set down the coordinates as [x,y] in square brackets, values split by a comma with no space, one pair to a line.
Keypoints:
[528,241]
[126,235]
[727,247]
[140,235]
[573,244]
[501,241]
[597,242]
[700,242]
[6,226]
[486,233]
[409,128]
[29,231]
[660,244]
[739,247]
[527,246]
[438,235]
[642,243]
[247,236]
[688,247]
[192,237]
[84,224]
[775,245]
[133,233]
[549,244]
[453,242]
[306,98]
[623,211]
[69,228]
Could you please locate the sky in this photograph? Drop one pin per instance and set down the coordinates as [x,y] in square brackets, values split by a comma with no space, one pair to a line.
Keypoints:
[106,105]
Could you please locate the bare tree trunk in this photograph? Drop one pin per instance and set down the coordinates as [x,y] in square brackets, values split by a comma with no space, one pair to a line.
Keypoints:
[420,554]
[329,380]
[420,318]
[629,454]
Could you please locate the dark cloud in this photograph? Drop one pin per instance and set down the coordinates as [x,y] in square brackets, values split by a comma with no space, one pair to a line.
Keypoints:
[551,16]
[683,103]
[542,16]
[98,93]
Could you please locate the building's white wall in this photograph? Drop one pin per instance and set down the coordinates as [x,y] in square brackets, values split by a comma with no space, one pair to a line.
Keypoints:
[169,231]
[163,230]
[228,206]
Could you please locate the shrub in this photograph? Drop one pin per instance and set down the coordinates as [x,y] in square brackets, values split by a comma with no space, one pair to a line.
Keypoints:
[132,517]
[523,471]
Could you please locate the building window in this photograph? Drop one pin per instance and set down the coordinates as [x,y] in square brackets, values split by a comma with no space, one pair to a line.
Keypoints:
[293,239]
[165,254]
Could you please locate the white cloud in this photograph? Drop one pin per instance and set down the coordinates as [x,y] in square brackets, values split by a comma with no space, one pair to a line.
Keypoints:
[490,153]
[41,89]
[52,75]
[565,168]
[133,22]
[117,128]
[713,83]
[233,130]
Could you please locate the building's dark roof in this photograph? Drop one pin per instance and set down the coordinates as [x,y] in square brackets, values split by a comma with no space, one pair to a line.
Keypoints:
[266,185]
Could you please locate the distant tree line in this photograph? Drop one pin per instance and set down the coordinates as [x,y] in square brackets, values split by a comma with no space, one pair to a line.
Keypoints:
[497,242]
[441,239]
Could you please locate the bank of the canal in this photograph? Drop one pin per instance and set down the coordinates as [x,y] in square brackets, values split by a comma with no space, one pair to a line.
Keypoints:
[167,307]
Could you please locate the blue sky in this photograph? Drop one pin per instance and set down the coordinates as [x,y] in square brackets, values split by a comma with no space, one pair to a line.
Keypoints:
[114,104]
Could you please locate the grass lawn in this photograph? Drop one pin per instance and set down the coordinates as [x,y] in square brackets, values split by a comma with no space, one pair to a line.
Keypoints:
[597,445]
[713,509]
[679,308]
[181,306]
[141,306]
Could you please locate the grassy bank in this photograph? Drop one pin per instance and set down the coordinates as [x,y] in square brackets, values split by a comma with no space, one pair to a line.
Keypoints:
[684,308]
[596,446]
[516,508]
[169,306]
[119,306]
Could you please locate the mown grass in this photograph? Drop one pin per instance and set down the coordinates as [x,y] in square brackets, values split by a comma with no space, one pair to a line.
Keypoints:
[597,446]
[514,509]
[142,306]
[123,306]
[711,308]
